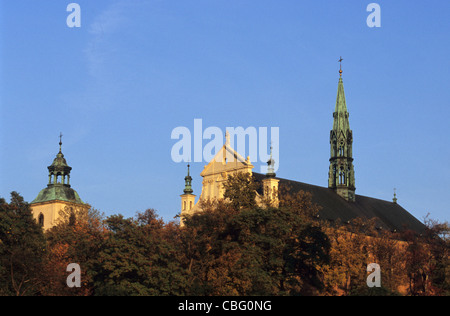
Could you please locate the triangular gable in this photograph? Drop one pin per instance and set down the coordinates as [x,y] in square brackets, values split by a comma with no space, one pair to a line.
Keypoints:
[227,159]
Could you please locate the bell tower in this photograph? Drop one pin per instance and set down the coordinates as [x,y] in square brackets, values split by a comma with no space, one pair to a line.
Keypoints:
[341,175]
[58,194]
[187,199]
[270,183]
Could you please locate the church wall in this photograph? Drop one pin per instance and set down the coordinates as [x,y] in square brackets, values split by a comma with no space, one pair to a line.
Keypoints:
[51,211]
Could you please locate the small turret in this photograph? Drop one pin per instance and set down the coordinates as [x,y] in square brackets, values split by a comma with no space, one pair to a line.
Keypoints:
[187,199]
[395,196]
[188,183]
[270,184]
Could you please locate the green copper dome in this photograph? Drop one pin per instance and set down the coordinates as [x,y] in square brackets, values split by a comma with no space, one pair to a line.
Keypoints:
[58,192]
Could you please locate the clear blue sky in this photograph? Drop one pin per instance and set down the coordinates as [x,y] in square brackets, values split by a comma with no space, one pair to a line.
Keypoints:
[117,86]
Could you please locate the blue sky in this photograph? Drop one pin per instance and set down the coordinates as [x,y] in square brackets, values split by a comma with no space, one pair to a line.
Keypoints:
[117,86]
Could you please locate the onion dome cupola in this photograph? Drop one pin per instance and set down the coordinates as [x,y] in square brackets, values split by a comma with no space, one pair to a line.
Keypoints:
[188,183]
[58,187]
[59,171]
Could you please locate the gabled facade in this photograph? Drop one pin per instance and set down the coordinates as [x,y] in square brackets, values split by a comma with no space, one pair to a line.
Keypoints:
[226,162]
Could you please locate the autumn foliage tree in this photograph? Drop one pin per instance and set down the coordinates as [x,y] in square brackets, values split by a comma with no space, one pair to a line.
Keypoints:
[75,239]
[427,260]
[238,248]
[234,246]
[138,257]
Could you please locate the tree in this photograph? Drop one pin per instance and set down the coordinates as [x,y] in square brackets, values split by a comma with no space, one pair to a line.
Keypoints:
[209,254]
[238,248]
[299,202]
[75,239]
[240,189]
[137,258]
[427,259]
[386,249]
[22,249]
[349,256]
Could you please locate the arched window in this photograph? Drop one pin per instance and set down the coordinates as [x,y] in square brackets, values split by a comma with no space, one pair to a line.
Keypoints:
[341,150]
[184,207]
[341,176]
[190,205]
[41,220]
[72,218]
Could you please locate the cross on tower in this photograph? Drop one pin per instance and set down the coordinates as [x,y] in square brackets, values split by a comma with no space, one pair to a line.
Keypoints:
[340,65]
[60,141]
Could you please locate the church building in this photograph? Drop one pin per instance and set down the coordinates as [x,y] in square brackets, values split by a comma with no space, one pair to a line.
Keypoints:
[337,201]
[58,194]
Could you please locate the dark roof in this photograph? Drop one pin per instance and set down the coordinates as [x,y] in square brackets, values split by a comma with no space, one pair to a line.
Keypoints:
[58,192]
[389,215]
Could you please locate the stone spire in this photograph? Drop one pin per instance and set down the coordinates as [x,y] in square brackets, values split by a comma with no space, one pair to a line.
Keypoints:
[341,175]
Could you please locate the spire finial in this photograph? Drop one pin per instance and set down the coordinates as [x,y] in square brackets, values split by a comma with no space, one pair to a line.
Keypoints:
[271,148]
[270,164]
[340,66]
[227,138]
[60,141]
[395,196]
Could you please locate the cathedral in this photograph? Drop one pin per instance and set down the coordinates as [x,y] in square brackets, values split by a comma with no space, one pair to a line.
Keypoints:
[337,201]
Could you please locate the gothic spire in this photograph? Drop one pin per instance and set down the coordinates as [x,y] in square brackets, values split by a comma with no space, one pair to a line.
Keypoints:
[341,121]
[341,176]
